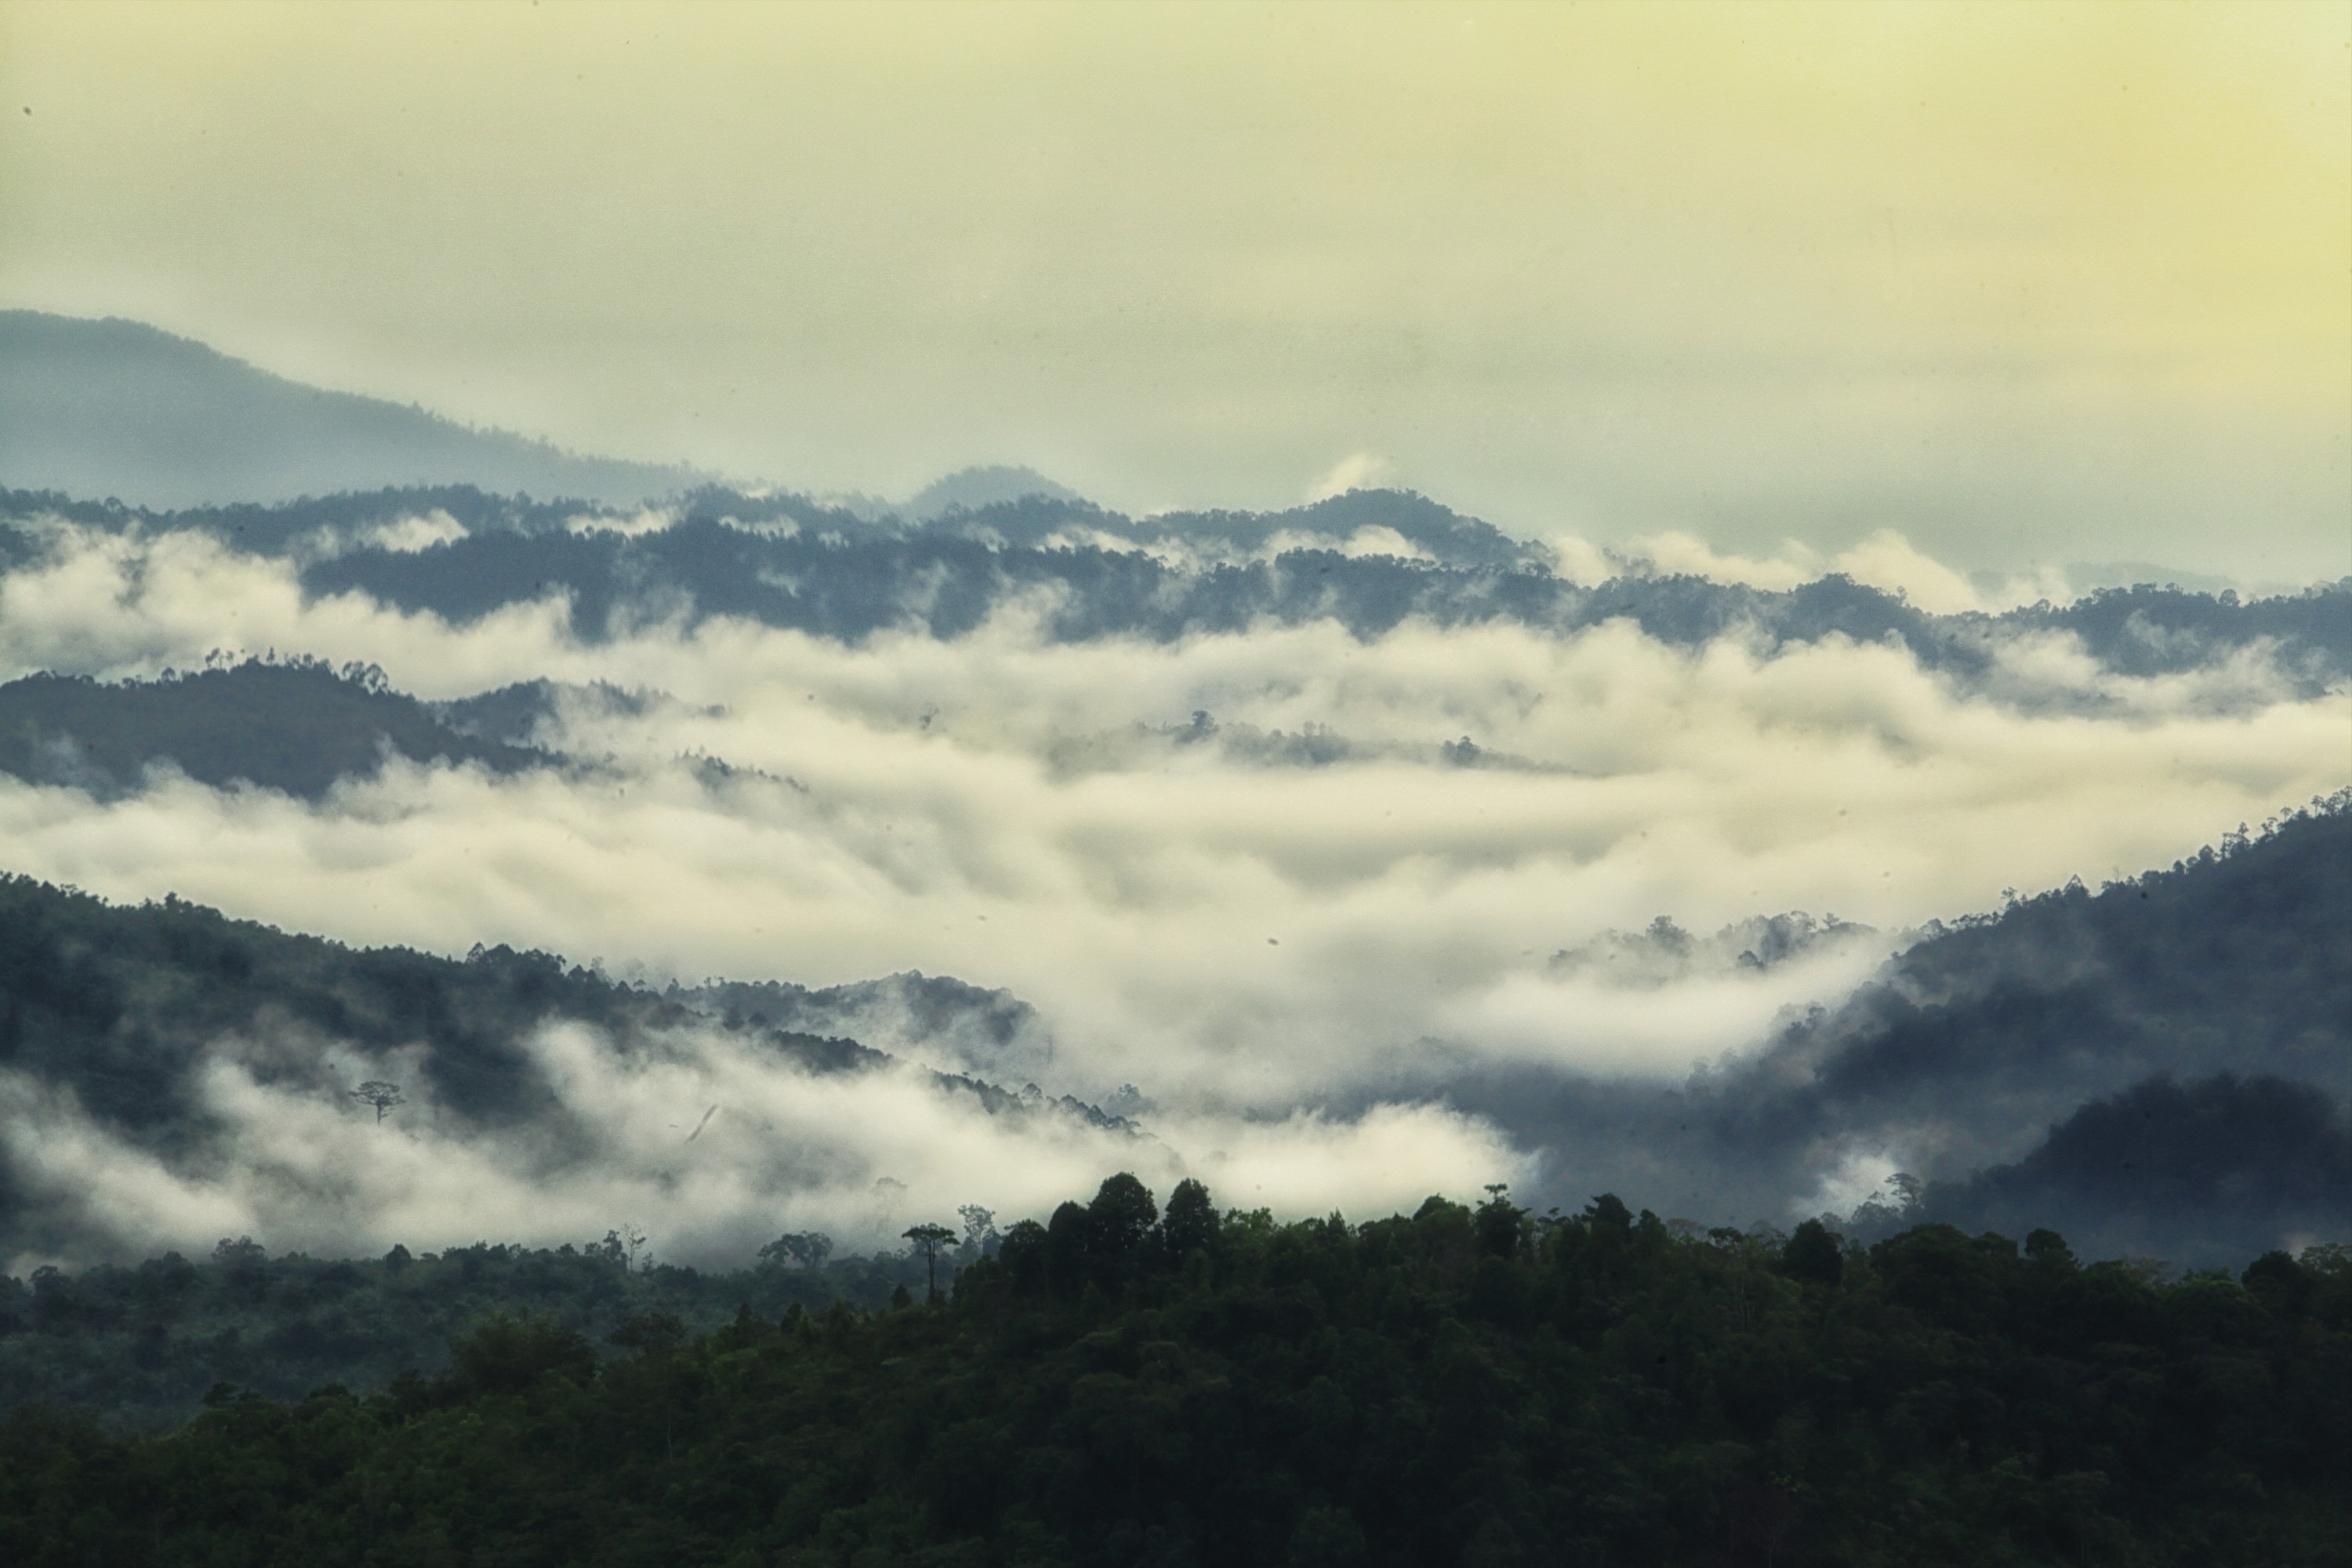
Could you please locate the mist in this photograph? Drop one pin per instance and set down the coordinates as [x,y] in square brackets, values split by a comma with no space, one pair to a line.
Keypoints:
[1188,913]
[701,1140]
[1264,882]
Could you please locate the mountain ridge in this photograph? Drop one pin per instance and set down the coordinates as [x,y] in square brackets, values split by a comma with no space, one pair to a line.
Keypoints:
[117,407]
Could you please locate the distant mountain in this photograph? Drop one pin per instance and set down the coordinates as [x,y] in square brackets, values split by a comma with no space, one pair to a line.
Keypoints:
[969,490]
[117,409]
[784,562]
[935,1018]
[1370,560]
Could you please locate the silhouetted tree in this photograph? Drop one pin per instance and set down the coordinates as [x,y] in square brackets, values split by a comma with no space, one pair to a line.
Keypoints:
[808,1249]
[978,1230]
[1122,1214]
[1190,1225]
[1813,1253]
[382,1095]
[928,1240]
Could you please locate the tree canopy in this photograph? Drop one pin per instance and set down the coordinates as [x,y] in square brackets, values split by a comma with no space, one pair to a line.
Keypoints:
[1462,1385]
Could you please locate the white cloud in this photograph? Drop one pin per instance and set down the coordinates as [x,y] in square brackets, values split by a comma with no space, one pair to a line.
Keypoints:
[415,532]
[858,1156]
[1233,937]
[1887,561]
[1675,553]
[1356,471]
[629,525]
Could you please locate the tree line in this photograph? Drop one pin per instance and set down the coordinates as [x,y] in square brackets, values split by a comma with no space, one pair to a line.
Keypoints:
[1124,1383]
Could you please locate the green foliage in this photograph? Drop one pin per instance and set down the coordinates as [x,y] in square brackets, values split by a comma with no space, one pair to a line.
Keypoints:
[1812,1252]
[143,1345]
[1464,1386]
[297,726]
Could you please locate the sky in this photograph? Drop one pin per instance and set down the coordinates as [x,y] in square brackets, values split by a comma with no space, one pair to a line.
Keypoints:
[2022,284]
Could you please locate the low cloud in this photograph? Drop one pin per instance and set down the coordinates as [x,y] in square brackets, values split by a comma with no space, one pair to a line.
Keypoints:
[1356,471]
[1885,559]
[707,1143]
[1255,941]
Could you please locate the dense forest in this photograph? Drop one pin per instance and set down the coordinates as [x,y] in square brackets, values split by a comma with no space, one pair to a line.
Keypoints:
[297,726]
[142,1344]
[1474,1386]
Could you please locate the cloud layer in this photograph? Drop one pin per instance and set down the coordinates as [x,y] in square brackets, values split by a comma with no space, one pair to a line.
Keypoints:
[707,1145]
[1165,848]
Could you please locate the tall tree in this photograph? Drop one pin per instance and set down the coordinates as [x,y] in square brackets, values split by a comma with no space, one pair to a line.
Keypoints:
[928,1240]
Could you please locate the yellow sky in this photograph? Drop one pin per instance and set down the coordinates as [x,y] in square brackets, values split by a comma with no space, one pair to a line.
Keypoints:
[2031,283]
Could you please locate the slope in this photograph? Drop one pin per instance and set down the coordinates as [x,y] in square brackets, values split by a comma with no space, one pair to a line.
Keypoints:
[117,409]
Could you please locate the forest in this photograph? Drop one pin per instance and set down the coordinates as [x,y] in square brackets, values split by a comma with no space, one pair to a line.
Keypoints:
[141,1344]
[297,726]
[1124,1385]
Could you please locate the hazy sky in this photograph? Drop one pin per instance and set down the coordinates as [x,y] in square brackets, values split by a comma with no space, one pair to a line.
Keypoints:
[2025,282]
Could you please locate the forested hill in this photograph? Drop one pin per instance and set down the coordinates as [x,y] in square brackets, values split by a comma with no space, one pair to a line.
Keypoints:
[1477,1387]
[296,727]
[851,582]
[2167,1064]
[117,409]
[123,1011]
[1370,560]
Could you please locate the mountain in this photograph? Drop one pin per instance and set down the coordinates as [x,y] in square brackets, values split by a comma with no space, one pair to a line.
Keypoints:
[2159,1068]
[118,409]
[781,563]
[971,490]
[789,562]
[1369,560]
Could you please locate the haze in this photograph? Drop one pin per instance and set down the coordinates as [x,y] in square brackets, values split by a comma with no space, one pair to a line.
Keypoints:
[2026,285]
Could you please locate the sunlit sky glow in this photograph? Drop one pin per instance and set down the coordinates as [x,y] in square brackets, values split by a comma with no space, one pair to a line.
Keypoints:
[2025,283]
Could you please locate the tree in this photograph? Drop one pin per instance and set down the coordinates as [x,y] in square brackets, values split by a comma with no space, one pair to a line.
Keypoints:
[1066,1247]
[509,1356]
[382,1095]
[808,1249]
[978,1230]
[1500,1222]
[928,1239]
[1120,1216]
[1813,1253]
[619,1247]
[1191,1222]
